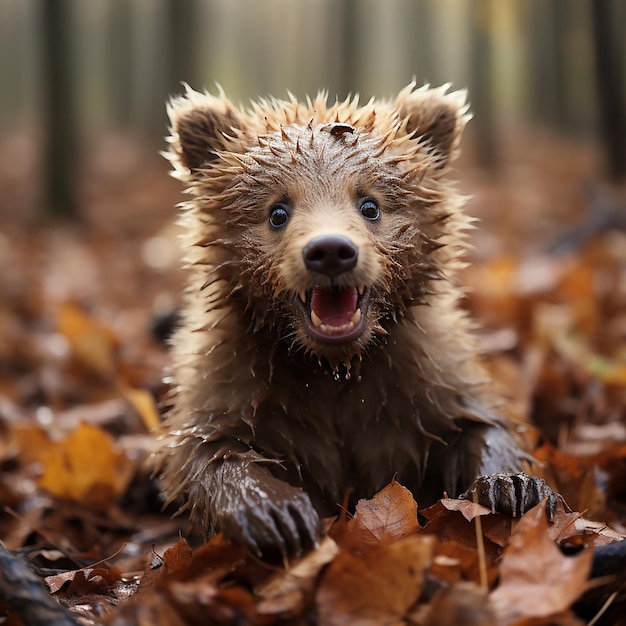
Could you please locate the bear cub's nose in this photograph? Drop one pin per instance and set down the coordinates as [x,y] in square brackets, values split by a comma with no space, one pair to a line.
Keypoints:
[330,255]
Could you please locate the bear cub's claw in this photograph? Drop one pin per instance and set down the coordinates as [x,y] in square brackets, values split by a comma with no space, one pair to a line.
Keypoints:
[283,525]
[513,494]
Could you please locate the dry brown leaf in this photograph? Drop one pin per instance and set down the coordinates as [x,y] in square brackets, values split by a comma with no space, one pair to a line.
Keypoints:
[454,561]
[178,556]
[467,508]
[536,579]
[462,604]
[285,593]
[152,610]
[377,588]
[390,515]
[201,598]
[86,468]
[175,558]
[217,555]
[85,580]
[451,525]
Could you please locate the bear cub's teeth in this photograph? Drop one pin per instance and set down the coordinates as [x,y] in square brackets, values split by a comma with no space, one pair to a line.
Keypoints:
[317,322]
[336,330]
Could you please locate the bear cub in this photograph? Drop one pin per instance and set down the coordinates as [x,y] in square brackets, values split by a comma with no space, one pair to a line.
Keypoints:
[322,350]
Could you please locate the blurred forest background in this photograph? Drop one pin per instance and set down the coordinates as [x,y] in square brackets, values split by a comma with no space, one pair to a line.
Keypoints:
[90,277]
[84,82]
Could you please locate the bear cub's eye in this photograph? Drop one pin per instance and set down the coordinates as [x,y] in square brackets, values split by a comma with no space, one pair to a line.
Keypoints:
[369,209]
[279,215]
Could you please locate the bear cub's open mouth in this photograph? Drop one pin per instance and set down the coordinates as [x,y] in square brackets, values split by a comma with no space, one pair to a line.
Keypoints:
[334,314]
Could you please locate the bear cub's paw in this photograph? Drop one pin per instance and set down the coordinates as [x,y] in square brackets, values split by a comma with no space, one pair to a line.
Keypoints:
[513,494]
[273,520]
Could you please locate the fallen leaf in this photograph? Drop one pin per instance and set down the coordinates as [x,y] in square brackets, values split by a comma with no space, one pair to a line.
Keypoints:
[143,402]
[454,561]
[93,343]
[462,604]
[284,595]
[86,468]
[178,556]
[390,515]
[467,508]
[175,558]
[536,579]
[203,601]
[153,610]
[377,588]
[85,580]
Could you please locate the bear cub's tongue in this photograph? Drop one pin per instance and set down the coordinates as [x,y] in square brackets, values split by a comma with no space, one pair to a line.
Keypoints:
[334,310]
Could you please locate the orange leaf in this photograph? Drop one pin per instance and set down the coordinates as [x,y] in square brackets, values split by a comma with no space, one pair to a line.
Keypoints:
[390,515]
[86,468]
[93,343]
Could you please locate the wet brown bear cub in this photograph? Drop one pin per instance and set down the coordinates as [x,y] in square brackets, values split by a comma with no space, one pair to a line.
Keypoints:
[322,350]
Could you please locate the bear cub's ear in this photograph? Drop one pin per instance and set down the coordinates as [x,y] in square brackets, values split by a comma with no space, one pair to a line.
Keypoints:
[200,125]
[436,117]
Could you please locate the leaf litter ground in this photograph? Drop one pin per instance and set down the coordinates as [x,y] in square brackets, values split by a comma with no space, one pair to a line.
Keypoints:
[83,383]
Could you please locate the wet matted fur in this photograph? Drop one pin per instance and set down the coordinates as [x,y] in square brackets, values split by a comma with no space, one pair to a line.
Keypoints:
[322,349]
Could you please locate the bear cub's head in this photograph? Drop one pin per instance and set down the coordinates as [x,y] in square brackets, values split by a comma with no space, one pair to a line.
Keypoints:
[320,224]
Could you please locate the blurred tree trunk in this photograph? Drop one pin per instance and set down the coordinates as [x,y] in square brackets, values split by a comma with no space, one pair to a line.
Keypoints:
[182,27]
[422,43]
[347,54]
[546,28]
[608,40]
[121,66]
[58,102]
[482,82]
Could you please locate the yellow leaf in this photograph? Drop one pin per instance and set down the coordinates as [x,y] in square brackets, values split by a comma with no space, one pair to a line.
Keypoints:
[93,343]
[143,402]
[86,468]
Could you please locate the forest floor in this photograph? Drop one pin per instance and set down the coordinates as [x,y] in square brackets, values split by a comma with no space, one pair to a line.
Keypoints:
[83,381]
